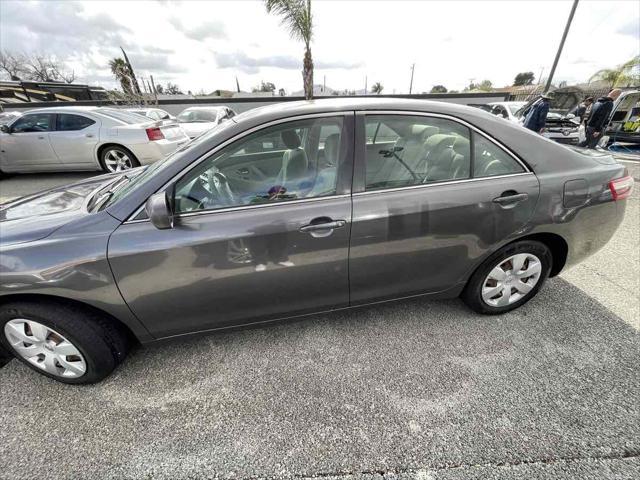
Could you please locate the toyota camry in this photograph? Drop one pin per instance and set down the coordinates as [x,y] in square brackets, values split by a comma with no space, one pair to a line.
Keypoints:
[293,209]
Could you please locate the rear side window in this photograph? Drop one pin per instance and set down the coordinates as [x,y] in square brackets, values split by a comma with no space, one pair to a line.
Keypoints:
[68,122]
[33,122]
[490,160]
[403,150]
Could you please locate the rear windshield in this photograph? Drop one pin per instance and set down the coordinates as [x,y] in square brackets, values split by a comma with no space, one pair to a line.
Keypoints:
[189,116]
[124,116]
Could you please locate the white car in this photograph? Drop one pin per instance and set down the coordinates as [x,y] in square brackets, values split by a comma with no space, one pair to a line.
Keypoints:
[152,113]
[85,138]
[507,110]
[197,120]
[8,117]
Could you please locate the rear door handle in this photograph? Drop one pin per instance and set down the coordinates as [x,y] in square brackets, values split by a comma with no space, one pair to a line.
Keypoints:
[89,135]
[511,199]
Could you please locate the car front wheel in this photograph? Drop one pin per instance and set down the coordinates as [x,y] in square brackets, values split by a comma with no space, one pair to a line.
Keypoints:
[65,343]
[509,278]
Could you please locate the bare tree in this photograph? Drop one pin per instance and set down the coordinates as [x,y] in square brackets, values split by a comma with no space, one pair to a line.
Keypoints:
[46,68]
[13,65]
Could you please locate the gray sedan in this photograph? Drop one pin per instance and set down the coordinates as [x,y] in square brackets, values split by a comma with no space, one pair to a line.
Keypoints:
[293,209]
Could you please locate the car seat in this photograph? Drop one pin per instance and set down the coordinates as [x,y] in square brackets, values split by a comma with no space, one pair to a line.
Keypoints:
[295,164]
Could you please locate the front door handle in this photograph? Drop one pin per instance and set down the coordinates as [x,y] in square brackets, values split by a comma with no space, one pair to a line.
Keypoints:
[314,227]
[89,135]
[322,227]
[511,199]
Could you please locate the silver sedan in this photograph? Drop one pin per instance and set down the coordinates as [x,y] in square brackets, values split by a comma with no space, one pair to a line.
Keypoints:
[85,138]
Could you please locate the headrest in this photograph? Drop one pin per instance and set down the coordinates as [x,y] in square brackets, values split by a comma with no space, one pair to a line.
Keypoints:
[461,146]
[424,131]
[437,139]
[290,139]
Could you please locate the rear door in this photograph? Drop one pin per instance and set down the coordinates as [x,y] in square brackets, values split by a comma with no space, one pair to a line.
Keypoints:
[75,138]
[244,251]
[438,211]
[28,145]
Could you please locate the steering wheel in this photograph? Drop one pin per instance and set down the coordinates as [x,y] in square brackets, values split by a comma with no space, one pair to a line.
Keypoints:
[217,185]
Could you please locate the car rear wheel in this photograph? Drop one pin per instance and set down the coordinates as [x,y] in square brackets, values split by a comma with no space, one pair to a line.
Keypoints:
[64,343]
[509,278]
[117,159]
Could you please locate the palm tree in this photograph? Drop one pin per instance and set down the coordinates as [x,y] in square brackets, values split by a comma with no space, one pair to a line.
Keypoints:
[624,75]
[377,88]
[121,70]
[296,16]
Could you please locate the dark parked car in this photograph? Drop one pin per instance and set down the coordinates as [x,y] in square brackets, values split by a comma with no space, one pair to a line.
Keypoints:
[292,209]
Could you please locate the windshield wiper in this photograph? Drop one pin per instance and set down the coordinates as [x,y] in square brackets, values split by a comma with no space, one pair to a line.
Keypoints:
[100,199]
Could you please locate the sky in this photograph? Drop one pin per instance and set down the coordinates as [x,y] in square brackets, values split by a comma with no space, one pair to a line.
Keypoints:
[204,45]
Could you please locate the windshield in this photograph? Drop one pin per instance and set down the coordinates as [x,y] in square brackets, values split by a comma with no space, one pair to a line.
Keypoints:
[148,171]
[514,107]
[190,116]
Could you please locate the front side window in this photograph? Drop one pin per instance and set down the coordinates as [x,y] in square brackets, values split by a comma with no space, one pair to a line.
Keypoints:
[490,160]
[290,161]
[67,122]
[33,122]
[404,150]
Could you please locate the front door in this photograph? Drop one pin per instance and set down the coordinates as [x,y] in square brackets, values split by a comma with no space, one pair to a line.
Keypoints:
[425,207]
[28,145]
[261,231]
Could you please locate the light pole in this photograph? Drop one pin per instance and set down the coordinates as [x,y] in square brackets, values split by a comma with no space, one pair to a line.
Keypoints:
[413,66]
[564,37]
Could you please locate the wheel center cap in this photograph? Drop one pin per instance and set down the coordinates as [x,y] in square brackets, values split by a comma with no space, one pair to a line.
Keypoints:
[509,279]
[48,347]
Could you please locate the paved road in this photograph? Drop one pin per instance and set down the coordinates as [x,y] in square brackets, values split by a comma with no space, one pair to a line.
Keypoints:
[413,389]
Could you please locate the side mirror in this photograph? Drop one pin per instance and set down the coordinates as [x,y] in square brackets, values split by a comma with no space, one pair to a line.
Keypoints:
[159,211]
[5,129]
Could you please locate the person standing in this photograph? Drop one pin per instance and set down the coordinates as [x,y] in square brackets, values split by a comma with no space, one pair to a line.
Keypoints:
[536,118]
[599,118]
[581,110]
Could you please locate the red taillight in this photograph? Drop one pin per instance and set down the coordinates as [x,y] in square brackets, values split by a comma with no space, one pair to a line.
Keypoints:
[154,133]
[621,187]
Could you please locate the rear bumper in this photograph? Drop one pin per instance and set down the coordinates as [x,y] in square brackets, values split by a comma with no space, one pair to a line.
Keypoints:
[150,152]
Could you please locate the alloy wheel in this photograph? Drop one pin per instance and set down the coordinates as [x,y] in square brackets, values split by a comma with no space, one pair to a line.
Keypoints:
[117,161]
[511,280]
[45,348]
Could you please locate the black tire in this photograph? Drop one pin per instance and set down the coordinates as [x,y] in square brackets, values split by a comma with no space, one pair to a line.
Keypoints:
[472,293]
[102,344]
[118,148]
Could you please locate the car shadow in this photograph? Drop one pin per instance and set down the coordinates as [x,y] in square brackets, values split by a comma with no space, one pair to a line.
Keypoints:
[415,383]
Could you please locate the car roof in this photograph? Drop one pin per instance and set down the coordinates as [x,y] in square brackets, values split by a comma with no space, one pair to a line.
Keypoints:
[305,107]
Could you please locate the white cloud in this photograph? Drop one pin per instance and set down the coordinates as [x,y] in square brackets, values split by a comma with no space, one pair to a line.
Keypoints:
[205,45]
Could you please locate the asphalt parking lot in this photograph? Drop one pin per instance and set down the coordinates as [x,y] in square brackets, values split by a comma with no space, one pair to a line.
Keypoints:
[413,389]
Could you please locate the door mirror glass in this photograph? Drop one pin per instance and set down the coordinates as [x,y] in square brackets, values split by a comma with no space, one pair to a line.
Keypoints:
[159,211]
[5,129]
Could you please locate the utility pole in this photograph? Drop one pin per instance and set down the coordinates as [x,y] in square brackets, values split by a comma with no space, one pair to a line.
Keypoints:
[413,67]
[324,84]
[564,37]
[365,84]
[237,84]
